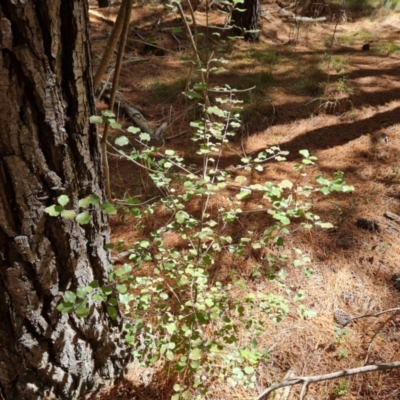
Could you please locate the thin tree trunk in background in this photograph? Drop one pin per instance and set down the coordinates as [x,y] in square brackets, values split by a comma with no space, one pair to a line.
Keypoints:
[244,21]
[48,149]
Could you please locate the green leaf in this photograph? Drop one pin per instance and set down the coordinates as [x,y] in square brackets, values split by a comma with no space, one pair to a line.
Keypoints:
[322,181]
[68,214]
[112,312]
[308,272]
[70,296]
[108,114]
[82,292]
[195,354]
[194,365]
[94,119]
[98,297]
[145,244]
[94,284]
[145,137]
[89,200]
[171,328]
[249,370]
[324,225]
[83,218]
[177,387]
[53,211]
[243,193]
[181,217]
[286,184]
[240,179]
[325,190]
[299,296]
[112,301]
[133,129]
[122,288]
[215,110]
[304,153]
[82,311]
[108,208]
[65,307]
[193,95]
[122,141]
[106,290]
[124,298]
[63,200]
[115,125]
[200,86]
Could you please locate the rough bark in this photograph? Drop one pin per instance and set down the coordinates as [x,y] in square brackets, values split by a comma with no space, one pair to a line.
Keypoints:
[48,148]
[245,21]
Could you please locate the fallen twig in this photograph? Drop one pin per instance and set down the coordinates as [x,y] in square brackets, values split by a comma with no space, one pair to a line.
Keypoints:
[101,17]
[306,380]
[392,216]
[397,309]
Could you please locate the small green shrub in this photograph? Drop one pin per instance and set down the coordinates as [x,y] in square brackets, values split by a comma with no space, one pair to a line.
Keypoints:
[342,388]
[175,314]
[388,49]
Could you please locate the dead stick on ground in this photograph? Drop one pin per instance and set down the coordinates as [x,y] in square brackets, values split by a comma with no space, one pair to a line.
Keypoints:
[396,310]
[101,17]
[306,380]
[376,334]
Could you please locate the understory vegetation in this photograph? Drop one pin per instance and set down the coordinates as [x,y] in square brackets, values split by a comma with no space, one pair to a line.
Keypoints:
[238,223]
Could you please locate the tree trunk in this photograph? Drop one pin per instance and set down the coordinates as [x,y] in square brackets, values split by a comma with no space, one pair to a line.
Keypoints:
[245,21]
[48,148]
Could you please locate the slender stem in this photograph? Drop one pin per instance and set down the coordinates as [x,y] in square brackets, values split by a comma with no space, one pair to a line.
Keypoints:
[331,46]
[118,65]
[108,52]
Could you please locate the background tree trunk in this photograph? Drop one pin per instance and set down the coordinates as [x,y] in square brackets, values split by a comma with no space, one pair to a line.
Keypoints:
[48,148]
[244,21]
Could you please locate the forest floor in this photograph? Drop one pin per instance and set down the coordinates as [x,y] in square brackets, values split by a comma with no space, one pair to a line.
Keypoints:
[351,125]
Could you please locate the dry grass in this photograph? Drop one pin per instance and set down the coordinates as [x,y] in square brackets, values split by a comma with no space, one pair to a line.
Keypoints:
[352,267]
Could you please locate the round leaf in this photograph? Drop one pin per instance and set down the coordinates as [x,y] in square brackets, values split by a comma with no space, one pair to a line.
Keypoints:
[52,211]
[112,312]
[122,141]
[195,354]
[70,296]
[122,288]
[63,200]
[68,214]
[83,218]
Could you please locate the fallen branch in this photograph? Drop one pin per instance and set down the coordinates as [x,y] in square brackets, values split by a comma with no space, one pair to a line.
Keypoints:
[306,380]
[392,216]
[397,309]
[131,61]
[308,19]
[135,115]
[138,119]
[101,17]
